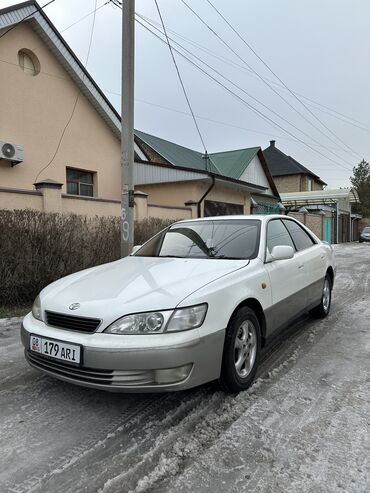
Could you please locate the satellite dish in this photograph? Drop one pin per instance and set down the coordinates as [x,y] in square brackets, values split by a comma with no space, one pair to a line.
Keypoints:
[8,150]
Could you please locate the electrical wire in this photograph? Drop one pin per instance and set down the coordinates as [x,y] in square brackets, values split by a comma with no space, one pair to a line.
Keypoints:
[251,107]
[26,17]
[278,78]
[85,16]
[318,106]
[245,92]
[180,79]
[254,71]
[249,95]
[75,103]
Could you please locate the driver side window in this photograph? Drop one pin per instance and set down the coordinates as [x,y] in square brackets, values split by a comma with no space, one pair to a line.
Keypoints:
[277,234]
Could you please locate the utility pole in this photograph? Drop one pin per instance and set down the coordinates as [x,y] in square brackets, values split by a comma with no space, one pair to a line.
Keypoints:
[127,122]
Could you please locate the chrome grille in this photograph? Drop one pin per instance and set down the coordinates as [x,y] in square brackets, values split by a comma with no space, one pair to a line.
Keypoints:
[71,322]
[91,375]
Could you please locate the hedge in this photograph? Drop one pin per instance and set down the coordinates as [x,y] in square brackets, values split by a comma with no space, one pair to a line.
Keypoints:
[37,248]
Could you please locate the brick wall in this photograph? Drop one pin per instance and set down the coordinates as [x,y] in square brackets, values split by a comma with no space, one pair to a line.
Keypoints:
[286,184]
[295,183]
[153,156]
[315,222]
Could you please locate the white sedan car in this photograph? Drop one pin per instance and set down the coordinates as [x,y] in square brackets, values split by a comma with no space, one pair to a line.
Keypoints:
[196,303]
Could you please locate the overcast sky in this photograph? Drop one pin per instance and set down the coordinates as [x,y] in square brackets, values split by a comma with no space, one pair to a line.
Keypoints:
[319,48]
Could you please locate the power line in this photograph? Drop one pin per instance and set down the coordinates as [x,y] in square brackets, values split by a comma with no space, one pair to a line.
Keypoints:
[26,17]
[278,78]
[180,79]
[252,97]
[85,16]
[251,107]
[318,106]
[254,71]
[205,118]
[75,103]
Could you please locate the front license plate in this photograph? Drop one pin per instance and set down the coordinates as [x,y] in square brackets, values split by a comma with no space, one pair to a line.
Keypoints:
[55,349]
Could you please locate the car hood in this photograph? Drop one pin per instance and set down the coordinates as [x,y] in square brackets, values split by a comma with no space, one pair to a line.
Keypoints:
[133,284]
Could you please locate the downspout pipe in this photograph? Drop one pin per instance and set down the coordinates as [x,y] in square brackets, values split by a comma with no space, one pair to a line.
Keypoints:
[199,203]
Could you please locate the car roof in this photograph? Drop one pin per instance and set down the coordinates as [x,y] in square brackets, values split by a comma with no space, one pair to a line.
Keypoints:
[259,217]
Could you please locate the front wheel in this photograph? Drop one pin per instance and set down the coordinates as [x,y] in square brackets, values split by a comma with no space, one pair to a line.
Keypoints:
[241,351]
[322,310]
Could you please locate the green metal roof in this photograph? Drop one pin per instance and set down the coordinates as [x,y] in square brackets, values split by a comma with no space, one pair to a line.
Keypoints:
[234,163]
[176,154]
[231,164]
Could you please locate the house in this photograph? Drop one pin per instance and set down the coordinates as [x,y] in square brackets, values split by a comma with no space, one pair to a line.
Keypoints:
[63,168]
[60,146]
[289,175]
[303,194]
[229,182]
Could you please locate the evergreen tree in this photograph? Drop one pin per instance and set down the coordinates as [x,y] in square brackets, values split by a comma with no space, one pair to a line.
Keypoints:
[361,183]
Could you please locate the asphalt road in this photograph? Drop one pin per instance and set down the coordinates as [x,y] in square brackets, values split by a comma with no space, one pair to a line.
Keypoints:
[304,426]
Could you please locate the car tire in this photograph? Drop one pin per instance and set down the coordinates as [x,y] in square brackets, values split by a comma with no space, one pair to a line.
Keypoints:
[322,310]
[241,351]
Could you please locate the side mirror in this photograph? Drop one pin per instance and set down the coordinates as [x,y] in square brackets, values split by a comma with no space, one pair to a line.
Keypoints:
[282,252]
[135,249]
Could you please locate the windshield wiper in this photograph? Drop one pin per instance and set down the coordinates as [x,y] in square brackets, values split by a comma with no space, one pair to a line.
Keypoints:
[217,257]
[170,256]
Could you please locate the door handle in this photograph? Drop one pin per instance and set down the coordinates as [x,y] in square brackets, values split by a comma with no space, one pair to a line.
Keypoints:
[300,266]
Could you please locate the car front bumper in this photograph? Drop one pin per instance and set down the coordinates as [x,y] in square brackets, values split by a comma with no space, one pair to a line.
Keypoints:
[118,363]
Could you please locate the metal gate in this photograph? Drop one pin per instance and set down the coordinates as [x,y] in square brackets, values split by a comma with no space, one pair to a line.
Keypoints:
[328,229]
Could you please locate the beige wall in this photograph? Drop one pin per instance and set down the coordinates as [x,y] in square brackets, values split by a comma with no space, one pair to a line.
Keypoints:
[90,207]
[17,199]
[169,212]
[170,194]
[34,112]
[45,201]
[175,195]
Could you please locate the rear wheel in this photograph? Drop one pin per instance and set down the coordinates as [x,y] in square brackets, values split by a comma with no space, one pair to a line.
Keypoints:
[241,351]
[323,309]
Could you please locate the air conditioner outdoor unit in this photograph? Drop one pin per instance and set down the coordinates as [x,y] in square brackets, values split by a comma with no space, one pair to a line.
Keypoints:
[11,152]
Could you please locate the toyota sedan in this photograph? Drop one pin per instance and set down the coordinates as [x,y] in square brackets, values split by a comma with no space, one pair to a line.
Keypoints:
[196,303]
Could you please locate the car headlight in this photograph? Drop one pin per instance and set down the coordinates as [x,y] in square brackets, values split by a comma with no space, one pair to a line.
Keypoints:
[159,322]
[36,309]
[187,318]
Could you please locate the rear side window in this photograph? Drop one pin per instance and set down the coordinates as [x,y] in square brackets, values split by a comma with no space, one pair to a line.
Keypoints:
[277,234]
[302,240]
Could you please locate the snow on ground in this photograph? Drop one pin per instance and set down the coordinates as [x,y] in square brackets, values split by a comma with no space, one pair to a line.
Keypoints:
[302,427]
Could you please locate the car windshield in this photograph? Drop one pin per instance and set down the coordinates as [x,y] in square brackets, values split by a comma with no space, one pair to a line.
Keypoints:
[366,230]
[218,239]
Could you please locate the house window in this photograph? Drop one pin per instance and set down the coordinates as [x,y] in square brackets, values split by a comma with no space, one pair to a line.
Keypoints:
[80,182]
[28,62]
[309,184]
[212,208]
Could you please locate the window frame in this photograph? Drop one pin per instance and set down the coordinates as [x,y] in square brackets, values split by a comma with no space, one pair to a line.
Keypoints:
[79,183]
[314,242]
[267,227]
